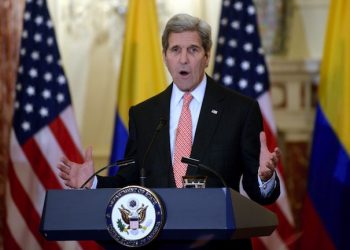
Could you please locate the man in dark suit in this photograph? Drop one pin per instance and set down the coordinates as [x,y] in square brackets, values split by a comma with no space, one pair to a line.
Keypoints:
[225,126]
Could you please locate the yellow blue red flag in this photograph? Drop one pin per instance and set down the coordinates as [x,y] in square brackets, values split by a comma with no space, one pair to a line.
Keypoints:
[142,72]
[326,217]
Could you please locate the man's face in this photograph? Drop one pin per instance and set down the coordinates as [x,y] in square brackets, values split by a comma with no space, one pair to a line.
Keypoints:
[186,59]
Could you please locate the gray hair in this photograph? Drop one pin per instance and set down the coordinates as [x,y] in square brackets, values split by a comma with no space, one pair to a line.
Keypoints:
[184,22]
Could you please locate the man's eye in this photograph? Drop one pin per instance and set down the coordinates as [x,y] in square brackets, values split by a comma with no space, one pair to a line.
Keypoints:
[193,50]
[175,49]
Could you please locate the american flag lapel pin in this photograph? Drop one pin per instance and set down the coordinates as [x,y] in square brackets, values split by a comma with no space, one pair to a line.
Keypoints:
[214,111]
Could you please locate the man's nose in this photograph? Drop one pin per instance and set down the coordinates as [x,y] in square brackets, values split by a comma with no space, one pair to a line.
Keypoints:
[184,57]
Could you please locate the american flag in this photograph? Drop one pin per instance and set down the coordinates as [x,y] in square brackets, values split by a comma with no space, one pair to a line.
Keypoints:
[43,130]
[240,65]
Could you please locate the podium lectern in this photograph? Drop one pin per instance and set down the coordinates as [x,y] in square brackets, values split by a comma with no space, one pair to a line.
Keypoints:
[190,214]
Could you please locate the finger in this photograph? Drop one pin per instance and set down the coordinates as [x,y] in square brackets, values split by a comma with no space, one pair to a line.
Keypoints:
[278,152]
[64,176]
[63,167]
[88,154]
[65,161]
[263,140]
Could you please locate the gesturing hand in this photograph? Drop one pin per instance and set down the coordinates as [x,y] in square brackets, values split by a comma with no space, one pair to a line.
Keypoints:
[75,174]
[267,160]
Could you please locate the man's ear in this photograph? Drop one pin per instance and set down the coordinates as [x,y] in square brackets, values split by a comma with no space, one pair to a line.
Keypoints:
[207,55]
[164,60]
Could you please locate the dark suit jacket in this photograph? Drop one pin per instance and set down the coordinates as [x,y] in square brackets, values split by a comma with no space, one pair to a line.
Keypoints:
[226,140]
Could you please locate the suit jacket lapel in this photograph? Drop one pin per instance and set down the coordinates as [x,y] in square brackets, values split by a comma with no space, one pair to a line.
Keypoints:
[209,117]
[164,104]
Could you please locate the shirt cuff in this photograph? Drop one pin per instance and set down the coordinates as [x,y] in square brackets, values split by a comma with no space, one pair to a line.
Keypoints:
[266,187]
[94,183]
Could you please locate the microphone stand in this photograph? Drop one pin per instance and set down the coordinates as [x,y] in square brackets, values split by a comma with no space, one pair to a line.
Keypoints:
[120,163]
[197,164]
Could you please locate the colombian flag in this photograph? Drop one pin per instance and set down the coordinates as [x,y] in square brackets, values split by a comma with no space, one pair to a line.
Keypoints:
[142,72]
[326,215]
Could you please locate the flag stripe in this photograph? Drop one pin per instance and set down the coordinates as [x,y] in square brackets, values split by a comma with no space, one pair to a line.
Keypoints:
[10,242]
[329,158]
[42,168]
[314,235]
[65,140]
[27,210]
[142,72]
[25,174]
[327,204]
[43,130]
[274,241]
[20,234]
[266,109]
[240,65]
[68,119]
[287,230]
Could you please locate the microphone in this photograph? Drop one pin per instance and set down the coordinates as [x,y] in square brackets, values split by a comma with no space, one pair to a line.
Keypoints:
[161,124]
[196,163]
[120,163]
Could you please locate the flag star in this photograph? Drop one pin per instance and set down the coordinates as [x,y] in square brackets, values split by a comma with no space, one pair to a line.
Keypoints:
[216,76]
[27,16]
[227,3]
[16,105]
[35,55]
[44,112]
[224,21]
[20,69]
[33,73]
[221,40]
[248,47]
[258,87]
[49,41]
[243,83]
[19,86]
[238,6]
[37,37]
[47,76]
[59,62]
[230,61]
[260,69]
[249,28]
[25,126]
[232,43]
[60,97]
[39,2]
[61,79]
[24,34]
[39,20]
[235,25]
[245,65]
[49,24]
[23,51]
[46,94]
[30,90]
[28,108]
[251,10]
[227,80]
[49,58]
[261,51]
[218,58]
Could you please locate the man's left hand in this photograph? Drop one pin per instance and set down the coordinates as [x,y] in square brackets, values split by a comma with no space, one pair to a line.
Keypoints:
[268,160]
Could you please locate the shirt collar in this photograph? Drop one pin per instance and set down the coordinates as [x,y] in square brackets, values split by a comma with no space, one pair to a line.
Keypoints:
[197,93]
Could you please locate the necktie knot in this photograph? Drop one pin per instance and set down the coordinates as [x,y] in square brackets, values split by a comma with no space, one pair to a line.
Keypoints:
[187,98]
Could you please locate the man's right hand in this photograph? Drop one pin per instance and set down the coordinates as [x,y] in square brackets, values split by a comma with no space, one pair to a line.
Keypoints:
[75,174]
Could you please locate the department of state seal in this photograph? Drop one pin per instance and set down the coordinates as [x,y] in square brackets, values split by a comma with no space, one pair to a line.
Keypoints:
[134,216]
